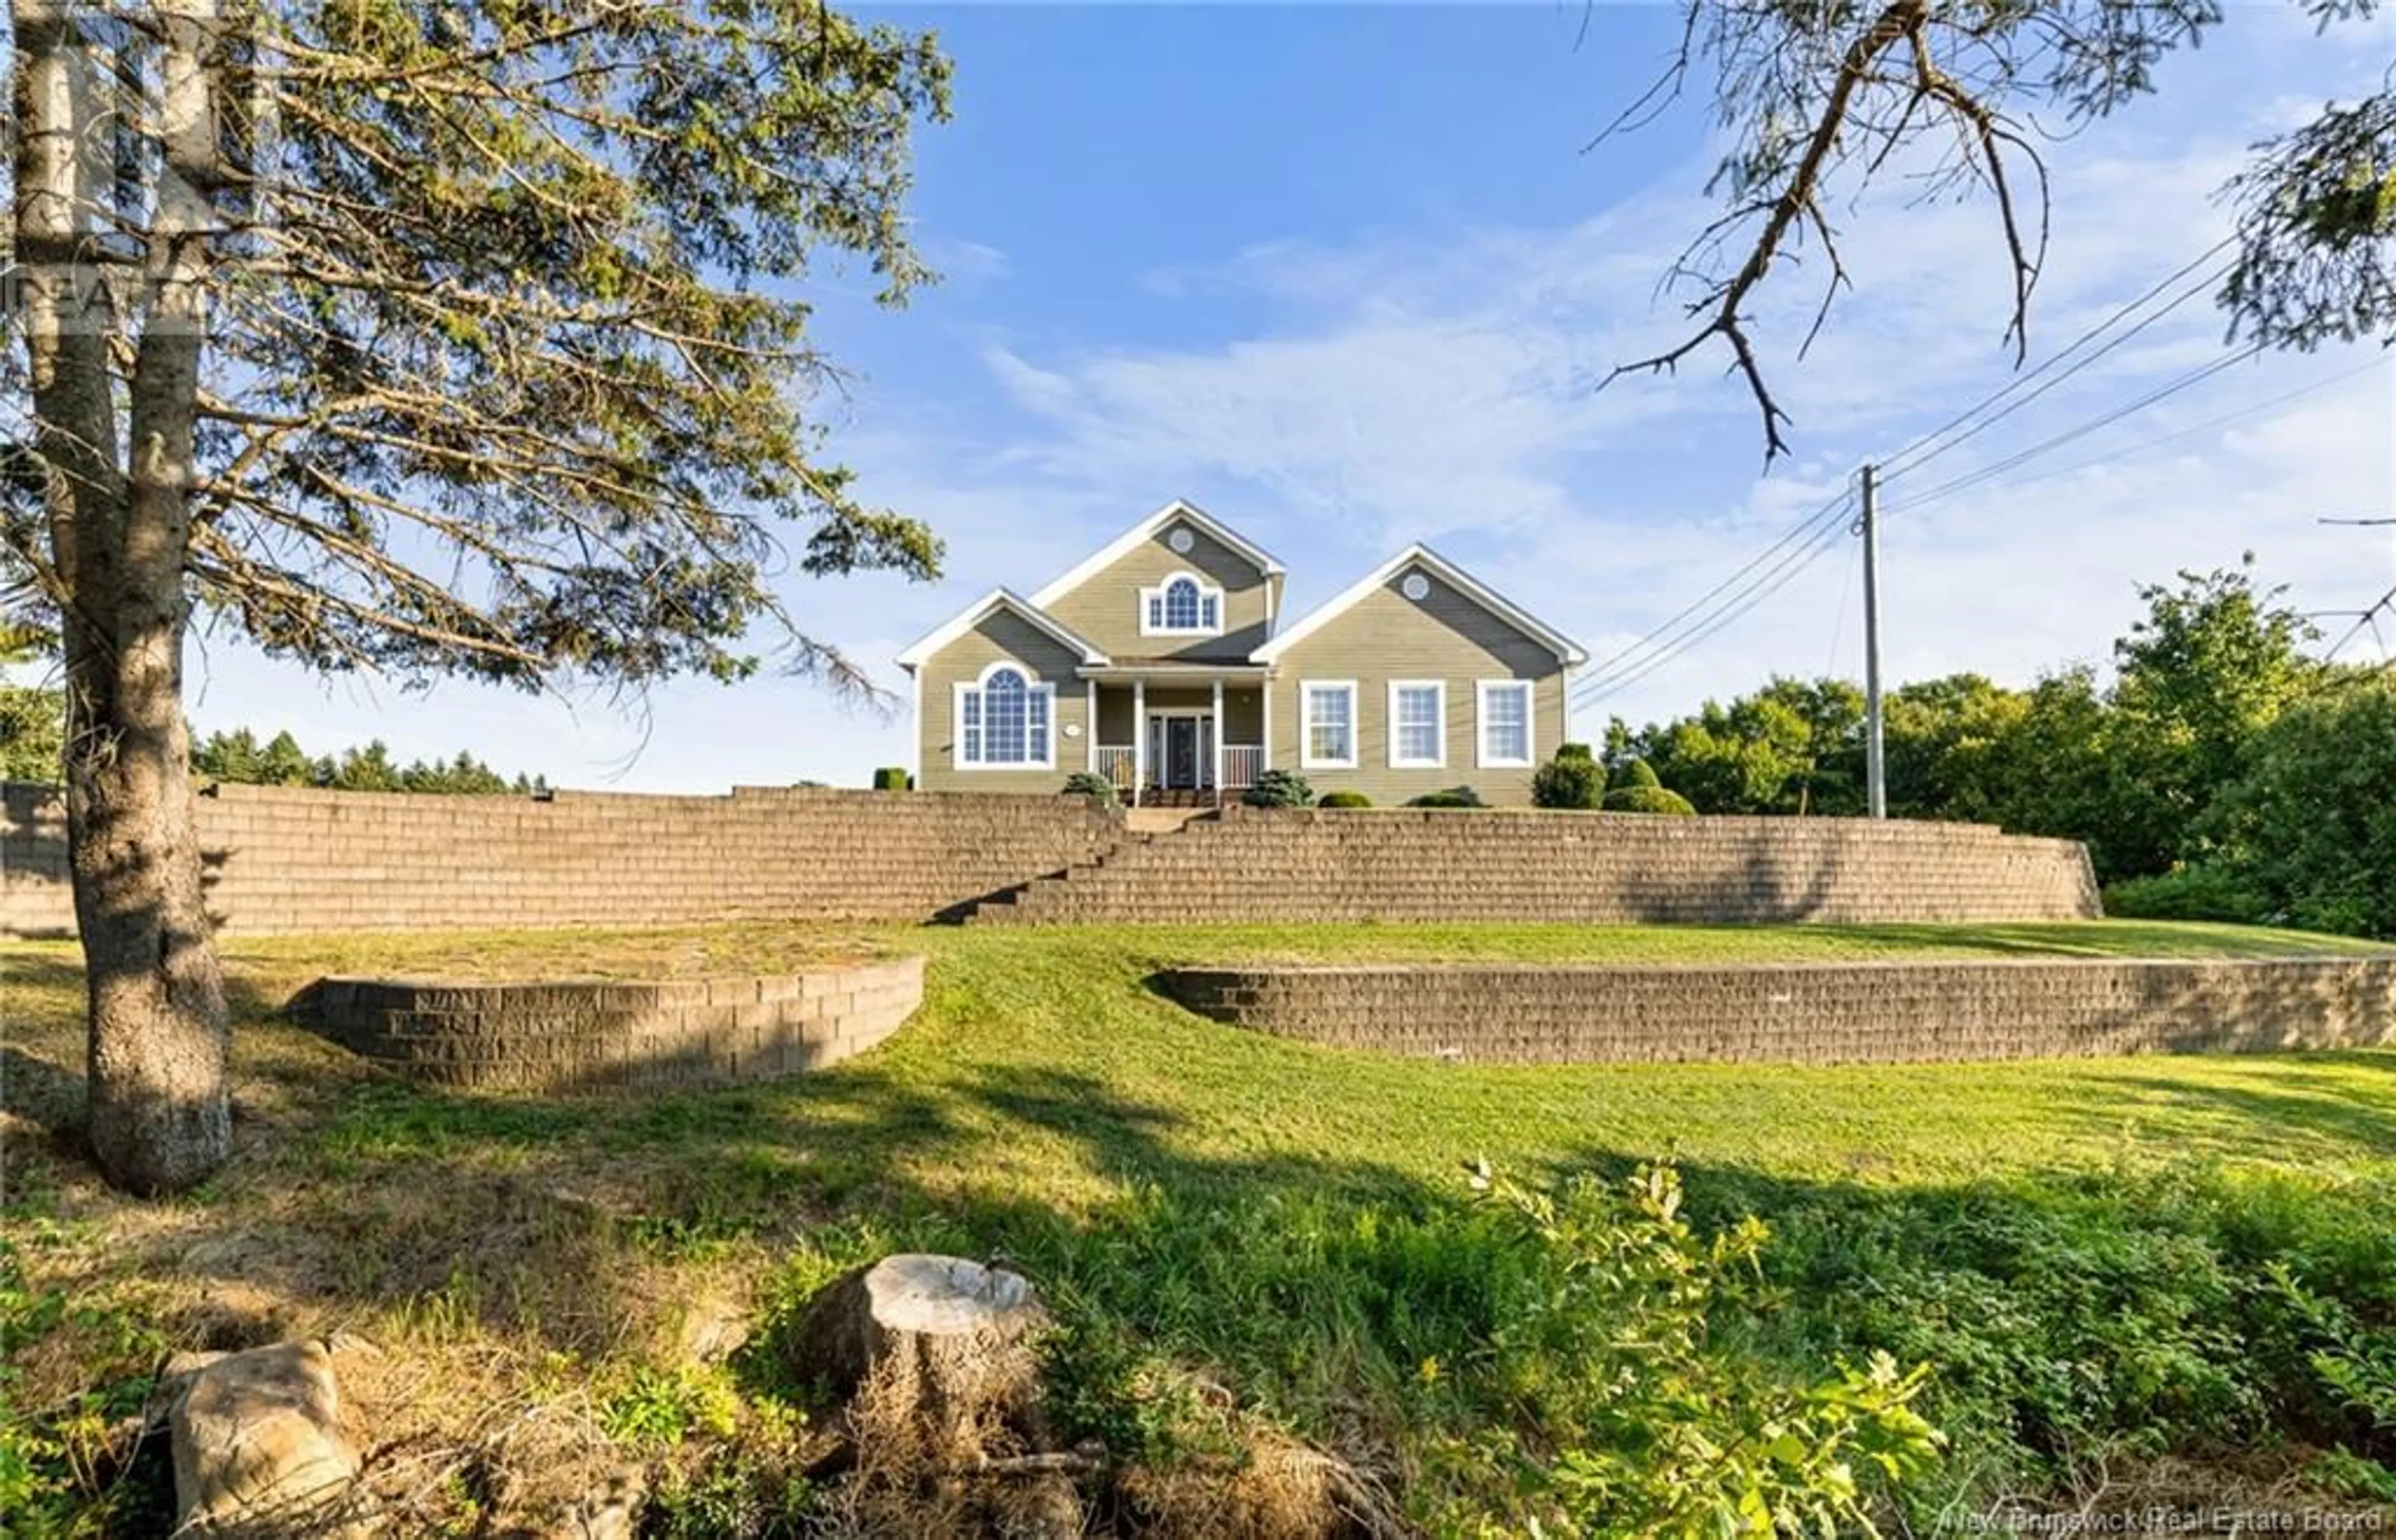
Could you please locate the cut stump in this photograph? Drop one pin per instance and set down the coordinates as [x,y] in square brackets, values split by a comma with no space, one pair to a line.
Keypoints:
[931,1350]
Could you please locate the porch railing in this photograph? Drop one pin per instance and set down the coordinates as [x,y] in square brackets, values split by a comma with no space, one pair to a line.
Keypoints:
[1242,763]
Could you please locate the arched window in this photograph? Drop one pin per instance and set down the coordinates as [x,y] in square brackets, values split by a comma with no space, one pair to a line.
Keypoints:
[1004,719]
[1181,605]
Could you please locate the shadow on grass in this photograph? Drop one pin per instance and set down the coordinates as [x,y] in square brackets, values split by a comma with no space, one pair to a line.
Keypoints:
[2270,1099]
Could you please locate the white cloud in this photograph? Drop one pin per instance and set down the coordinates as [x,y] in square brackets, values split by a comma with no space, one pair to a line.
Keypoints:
[1440,384]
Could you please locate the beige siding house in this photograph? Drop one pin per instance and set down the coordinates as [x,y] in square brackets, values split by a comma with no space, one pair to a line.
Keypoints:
[1160,662]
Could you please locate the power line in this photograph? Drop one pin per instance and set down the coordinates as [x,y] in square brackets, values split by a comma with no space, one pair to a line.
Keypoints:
[1753,595]
[2370,620]
[1998,468]
[1839,620]
[2209,423]
[1898,462]
[1804,528]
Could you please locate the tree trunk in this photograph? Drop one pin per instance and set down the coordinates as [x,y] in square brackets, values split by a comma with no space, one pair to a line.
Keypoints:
[159,1117]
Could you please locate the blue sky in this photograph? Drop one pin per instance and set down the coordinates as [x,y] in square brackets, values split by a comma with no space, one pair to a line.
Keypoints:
[1344,276]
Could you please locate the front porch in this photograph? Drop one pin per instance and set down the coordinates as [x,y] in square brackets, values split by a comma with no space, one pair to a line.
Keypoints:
[1177,735]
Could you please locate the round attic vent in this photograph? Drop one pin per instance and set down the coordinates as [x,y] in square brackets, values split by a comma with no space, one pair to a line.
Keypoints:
[1416,587]
[1180,541]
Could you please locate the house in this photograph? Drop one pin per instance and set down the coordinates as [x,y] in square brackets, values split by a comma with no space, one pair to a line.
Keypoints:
[1161,662]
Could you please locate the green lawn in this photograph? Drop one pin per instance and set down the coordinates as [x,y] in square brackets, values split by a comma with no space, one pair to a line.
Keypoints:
[1234,1205]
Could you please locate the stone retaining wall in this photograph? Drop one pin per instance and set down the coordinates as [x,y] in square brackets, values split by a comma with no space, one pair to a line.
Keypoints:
[1810,1013]
[281,859]
[1584,868]
[592,1035]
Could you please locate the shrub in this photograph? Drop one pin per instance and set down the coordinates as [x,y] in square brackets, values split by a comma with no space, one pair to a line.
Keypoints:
[1655,1421]
[1279,788]
[892,778]
[1454,796]
[2188,893]
[1648,799]
[1571,779]
[1344,799]
[1083,783]
[1637,772]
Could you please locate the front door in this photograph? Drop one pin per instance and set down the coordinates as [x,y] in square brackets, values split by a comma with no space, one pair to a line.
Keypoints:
[1184,746]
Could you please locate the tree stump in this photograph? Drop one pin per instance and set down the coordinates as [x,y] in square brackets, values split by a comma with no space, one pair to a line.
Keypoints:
[934,1353]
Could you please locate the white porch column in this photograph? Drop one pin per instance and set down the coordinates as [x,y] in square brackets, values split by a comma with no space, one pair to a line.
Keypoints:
[1264,691]
[1090,725]
[1139,740]
[1218,782]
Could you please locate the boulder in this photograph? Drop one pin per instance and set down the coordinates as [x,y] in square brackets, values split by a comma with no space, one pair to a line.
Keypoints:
[256,1440]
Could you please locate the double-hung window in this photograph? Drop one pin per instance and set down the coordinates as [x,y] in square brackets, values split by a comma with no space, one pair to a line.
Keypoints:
[1328,720]
[1417,725]
[1505,723]
[1003,722]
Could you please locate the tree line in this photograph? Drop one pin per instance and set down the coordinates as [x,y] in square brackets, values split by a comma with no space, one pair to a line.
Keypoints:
[238,757]
[2220,773]
[32,729]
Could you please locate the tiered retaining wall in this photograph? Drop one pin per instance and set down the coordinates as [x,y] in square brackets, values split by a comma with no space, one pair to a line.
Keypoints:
[286,860]
[589,1035]
[1823,1014]
[1590,868]
[281,860]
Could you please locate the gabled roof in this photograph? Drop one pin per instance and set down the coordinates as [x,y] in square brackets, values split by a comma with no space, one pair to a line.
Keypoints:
[1139,534]
[974,614]
[1567,650]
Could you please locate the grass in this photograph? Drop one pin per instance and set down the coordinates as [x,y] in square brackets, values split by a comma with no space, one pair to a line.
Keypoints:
[1204,1203]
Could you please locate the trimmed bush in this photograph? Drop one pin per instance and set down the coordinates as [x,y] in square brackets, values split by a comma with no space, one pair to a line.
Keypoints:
[892,778]
[1083,783]
[1344,799]
[1279,788]
[1571,779]
[1636,772]
[1454,796]
[1648,799]
[2188,893]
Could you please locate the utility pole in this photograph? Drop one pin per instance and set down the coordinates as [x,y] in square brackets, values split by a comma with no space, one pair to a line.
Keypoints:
[1875,766]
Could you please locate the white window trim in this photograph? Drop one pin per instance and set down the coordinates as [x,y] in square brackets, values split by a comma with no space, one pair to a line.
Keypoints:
[1034,686]
[1155,595]
[1439,689]
[1306,758]
[1483,758]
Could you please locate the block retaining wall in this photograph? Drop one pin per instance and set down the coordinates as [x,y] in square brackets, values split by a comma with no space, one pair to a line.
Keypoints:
[1580,867]
[592,1035]
[280,859]
[1817,1014]
[283,860]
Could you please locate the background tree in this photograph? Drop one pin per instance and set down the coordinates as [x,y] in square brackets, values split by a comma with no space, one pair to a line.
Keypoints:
[1946,744]
[2306,833]
[435,337]
[1819,101]
[33,717]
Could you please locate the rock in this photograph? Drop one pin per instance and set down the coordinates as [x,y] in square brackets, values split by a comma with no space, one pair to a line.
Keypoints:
[256,1440]
[609,1513]
[711,1331]
[931,1349]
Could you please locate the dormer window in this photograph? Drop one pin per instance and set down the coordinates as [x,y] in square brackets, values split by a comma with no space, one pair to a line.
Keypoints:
[1181,605]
